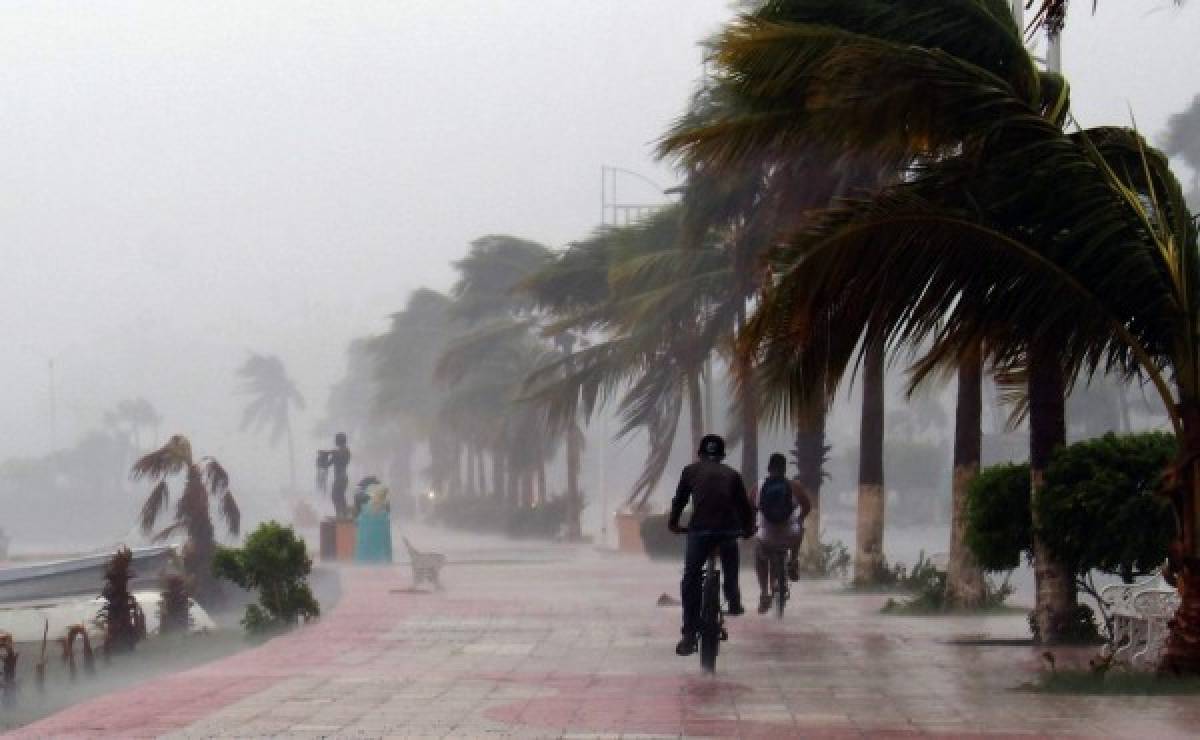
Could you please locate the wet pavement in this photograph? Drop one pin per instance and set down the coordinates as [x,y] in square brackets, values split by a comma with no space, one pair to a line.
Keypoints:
[565,641]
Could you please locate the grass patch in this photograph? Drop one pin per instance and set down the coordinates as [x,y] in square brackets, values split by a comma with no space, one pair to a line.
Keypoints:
[921,609]
[1115,682]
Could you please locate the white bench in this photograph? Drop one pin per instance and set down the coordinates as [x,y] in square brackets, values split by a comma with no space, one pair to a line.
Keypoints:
[1139,612]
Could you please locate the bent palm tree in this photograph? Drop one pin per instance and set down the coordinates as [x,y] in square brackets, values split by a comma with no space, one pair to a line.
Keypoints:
[202,479]
[273,396]
[947,94]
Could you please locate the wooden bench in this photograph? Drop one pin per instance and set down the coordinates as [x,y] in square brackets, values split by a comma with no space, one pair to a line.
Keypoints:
[1139,613]
[425,565]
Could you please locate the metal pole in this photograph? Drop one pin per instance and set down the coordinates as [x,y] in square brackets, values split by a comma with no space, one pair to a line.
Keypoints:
[604,515]
[1054,53]
[53,410]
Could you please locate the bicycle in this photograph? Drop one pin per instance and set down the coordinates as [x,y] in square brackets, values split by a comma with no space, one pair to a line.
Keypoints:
[777,578]
[711,630]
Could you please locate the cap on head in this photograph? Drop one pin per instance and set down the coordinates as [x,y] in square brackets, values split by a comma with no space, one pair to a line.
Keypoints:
[339,438]
[712,447]
[777,464]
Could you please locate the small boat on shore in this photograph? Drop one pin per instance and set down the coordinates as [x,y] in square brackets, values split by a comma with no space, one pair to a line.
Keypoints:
[78,575]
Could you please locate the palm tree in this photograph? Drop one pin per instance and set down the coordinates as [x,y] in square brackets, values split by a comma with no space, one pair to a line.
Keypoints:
[273,395]
[202,478]
[934,91]
[662,310]
[402,390]
[1091,263]
[136,414]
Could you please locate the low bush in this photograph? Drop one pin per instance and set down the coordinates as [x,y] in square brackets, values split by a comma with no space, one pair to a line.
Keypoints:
[825,560]
[927,582]
[275,561]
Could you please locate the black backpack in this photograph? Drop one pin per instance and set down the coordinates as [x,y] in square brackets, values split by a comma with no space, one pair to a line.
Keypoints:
[775,500]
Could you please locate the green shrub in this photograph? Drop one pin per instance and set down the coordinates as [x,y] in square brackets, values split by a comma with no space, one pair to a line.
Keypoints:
[1101,507]
[274,561]
[999,526]
[1099,512]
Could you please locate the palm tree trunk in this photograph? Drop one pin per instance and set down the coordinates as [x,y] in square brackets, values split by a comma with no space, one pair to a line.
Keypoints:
[472,488]
[574,504]
[291,447]
[499,476]
[1055,589]
[965,584]
[749,418]
[540,492]
[1182,654]
[868,558]
[526,490]
[810,471]
[695,410]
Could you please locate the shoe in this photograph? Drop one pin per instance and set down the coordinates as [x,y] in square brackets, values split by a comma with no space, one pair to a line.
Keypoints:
[764,603]
[735,610]
[686,646]
[793,570]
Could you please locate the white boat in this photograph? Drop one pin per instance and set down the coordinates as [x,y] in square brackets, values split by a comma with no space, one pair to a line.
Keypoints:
[79,575]
[28,621]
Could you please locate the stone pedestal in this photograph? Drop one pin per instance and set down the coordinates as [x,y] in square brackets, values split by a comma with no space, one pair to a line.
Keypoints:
[344,539]
[629,535]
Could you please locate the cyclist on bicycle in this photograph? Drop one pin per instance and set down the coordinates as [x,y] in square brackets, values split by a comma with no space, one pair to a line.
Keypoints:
[721,513]
[778,499]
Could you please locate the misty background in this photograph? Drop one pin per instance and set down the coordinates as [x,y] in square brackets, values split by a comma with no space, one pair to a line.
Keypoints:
[184,184]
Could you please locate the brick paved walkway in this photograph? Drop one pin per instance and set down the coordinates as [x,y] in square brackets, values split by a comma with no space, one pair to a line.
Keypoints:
[567,641]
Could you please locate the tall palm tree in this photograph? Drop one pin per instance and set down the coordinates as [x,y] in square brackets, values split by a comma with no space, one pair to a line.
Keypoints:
[202,478]
[403,359]
[273,396]
[933,90]
[662,312]
[1091,263]
[136,414]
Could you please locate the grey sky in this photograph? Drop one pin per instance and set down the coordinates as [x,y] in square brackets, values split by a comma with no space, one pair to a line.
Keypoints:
[184,182]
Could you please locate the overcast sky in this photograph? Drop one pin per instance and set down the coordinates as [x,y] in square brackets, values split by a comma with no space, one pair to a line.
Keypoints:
[183,182]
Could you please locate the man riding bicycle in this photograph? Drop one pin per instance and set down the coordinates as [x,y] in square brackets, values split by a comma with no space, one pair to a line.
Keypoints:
[779,526]
[721,513]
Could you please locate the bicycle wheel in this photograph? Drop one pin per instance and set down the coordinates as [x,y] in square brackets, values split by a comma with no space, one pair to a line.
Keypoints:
[781,585]
[710,623]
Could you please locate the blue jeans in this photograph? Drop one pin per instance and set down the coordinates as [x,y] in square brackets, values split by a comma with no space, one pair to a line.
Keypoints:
[699,544]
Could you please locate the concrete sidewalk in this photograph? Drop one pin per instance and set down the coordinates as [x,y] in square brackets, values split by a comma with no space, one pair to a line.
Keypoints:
[561,641]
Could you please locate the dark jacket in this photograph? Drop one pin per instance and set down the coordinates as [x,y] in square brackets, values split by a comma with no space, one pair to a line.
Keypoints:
[718,498]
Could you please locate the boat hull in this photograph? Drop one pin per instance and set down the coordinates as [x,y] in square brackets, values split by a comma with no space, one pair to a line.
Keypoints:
[79,576]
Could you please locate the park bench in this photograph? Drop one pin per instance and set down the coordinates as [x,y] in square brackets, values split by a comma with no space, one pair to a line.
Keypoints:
[1139,613]
[425,565]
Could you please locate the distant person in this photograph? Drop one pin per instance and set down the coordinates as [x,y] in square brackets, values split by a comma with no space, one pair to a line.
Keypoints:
[339,459]
[721,512]
[779,526]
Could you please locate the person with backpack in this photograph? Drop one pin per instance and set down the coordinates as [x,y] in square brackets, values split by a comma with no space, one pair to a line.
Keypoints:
[778,500]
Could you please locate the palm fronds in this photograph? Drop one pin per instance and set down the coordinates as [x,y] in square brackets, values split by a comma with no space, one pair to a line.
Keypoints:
[215,477]
[172,458]
[273,394]
[159,499]
[230,513]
